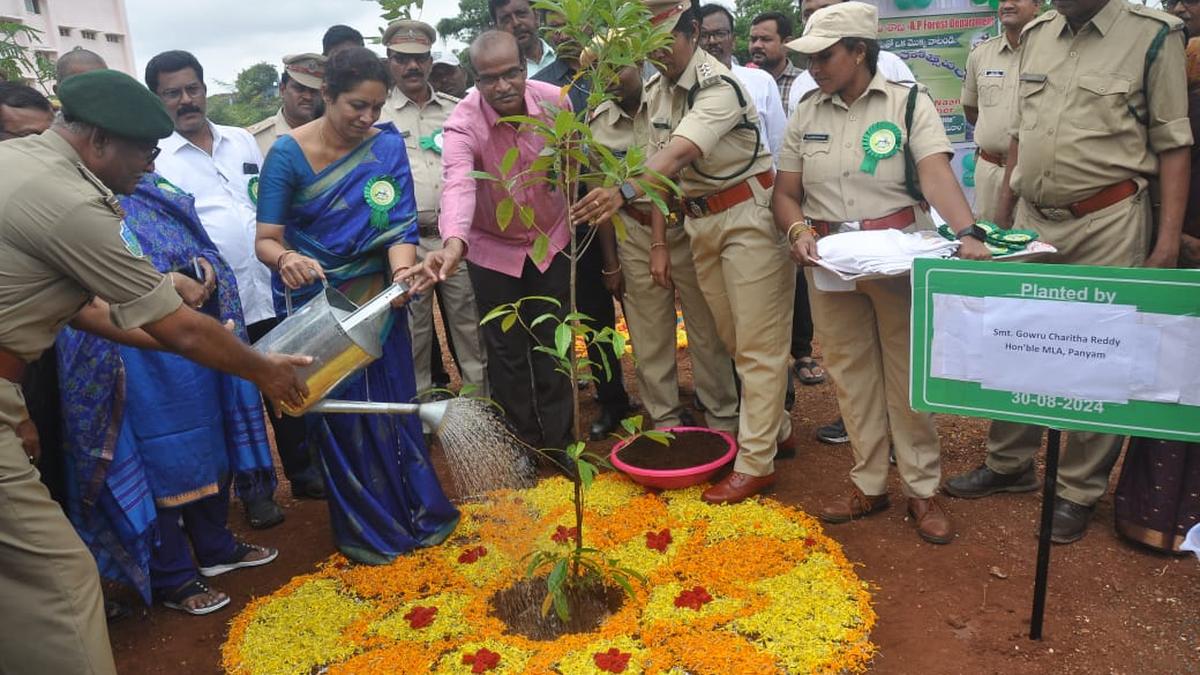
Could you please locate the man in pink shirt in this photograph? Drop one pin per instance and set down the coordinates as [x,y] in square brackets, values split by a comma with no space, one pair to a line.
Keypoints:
[535,396]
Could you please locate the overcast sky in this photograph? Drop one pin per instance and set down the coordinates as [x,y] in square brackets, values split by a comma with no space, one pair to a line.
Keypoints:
[229,35]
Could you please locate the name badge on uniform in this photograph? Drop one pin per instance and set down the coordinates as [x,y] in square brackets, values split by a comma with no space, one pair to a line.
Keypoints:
[249,168]
[817,138]
[405,134]
[993,73]
[662,124]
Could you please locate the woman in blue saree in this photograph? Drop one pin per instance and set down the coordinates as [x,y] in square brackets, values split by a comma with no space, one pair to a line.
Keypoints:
[152,439]
[335,202]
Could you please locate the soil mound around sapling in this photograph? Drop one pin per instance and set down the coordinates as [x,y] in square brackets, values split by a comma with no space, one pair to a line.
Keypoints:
[520,608]
[686,450]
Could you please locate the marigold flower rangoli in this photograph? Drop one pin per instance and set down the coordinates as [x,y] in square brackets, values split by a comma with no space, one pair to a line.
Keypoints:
[754,588]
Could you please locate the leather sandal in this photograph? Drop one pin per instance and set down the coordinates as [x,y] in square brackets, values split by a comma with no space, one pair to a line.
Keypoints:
[178,598]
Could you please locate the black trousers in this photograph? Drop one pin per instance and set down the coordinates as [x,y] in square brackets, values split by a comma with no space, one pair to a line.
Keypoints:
[593,299]
[290,432]
[802,323]
[535,396]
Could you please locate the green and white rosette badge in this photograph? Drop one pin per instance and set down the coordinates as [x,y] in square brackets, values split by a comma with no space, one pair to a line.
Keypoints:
[882,140]
[381,194]
[432,142]
[252,190]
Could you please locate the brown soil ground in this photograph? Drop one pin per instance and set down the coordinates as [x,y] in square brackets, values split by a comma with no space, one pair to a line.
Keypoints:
[1113,607]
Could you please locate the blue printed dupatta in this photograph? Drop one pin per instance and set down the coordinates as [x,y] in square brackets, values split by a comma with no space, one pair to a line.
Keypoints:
[202,424]
[384,497]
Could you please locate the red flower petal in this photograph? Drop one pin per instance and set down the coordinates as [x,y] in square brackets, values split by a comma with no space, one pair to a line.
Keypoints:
[658,541]
[420,617]
[612,661]
[564,535]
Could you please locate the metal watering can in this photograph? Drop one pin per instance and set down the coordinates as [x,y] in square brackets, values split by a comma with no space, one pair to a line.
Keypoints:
[342,338]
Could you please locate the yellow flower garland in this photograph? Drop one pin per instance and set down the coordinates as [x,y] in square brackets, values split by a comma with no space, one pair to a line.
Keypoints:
[753,588]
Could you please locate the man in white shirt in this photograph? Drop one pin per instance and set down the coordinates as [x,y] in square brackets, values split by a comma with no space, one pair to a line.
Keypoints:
[893,67]
[219,166]
[716,38]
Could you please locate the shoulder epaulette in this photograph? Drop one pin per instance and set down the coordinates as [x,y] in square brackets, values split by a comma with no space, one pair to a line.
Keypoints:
[106,195]
[1041,19]
[448,97]
[706,75]
[1173,22]
[255,128]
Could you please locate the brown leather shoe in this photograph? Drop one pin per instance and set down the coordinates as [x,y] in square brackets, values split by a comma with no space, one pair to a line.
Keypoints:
[855,505]
[932,520]
[736,487]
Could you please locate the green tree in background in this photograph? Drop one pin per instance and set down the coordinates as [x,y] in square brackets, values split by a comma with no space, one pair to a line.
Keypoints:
[745,11]
[255,97]
[21,63]
[472,20]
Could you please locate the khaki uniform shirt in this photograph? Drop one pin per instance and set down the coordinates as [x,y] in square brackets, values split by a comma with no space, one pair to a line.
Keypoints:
[61,242]
[709,123]
[416,122]
[990,86]
[1082,98]
[825,143]
[616,130]
[266,131]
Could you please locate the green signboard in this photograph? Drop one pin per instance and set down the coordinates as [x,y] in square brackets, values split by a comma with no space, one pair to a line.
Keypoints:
[1103,349]
[935,47]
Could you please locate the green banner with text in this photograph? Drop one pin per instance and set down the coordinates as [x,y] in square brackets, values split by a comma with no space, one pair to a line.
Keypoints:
[1104,349]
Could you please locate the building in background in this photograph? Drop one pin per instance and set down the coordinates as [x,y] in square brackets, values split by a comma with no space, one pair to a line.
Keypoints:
[98,25]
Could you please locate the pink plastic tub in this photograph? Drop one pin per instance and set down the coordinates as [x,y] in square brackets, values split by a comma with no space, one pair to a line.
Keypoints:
[674,479]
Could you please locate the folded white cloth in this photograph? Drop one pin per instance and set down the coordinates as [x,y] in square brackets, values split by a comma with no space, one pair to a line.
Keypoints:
[1192,541]
[888,252]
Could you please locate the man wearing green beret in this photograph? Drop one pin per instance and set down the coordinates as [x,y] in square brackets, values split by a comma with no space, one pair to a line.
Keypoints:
[65,256]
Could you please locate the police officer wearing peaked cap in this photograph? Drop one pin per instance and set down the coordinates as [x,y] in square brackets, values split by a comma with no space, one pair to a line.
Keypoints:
[62,243]
[705,130]
[300,91]
[419,113]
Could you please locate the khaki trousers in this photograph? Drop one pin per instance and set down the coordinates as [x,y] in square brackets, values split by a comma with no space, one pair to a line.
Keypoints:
[53,618]
[748,279]
[650,315]
[989,179]
[865,334]
[1118,236]
[457,300]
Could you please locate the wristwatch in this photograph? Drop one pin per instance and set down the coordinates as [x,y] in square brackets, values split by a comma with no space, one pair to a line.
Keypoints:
[628,192]
[974,231]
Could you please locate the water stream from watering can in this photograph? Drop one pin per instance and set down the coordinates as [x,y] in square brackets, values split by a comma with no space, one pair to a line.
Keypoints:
[481,452]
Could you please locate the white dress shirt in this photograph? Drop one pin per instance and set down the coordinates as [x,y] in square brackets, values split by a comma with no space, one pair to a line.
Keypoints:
[220,184]
[893,68]
[765,93]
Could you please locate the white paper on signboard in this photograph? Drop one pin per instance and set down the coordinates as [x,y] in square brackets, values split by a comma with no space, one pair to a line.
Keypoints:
[1076,349]
[958,324]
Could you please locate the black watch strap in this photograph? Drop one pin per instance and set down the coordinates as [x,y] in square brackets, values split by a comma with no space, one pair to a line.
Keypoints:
[974,231]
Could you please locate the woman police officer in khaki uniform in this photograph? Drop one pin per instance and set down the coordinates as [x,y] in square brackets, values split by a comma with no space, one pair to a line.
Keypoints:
[828,178]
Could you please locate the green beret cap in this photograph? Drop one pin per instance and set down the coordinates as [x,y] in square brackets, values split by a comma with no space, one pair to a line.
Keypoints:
[117,103]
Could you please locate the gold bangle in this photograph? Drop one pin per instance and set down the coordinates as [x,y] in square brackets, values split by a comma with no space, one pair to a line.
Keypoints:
[656,244]
[279,260]
[797,230]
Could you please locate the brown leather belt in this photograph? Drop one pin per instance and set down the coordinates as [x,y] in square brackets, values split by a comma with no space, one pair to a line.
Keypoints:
[728,198]
[994,159]
[1101,200]
[896,221]
[12,368]
[429,231]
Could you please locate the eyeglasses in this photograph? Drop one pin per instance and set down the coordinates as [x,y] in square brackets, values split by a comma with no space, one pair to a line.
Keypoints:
[193,90]
[511,75]
[708,35]
[400,58]
[153,154]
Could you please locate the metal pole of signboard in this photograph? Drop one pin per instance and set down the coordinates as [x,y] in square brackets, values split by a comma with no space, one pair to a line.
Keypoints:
[1053,443]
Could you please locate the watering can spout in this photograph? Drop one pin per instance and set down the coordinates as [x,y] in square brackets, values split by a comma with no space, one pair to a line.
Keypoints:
[431,414]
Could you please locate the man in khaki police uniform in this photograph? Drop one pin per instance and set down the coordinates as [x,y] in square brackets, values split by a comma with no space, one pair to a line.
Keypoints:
[988,95]
[650,308]
[708,146]
[419,113]
[62,242]
[1102,108]
[299,92]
